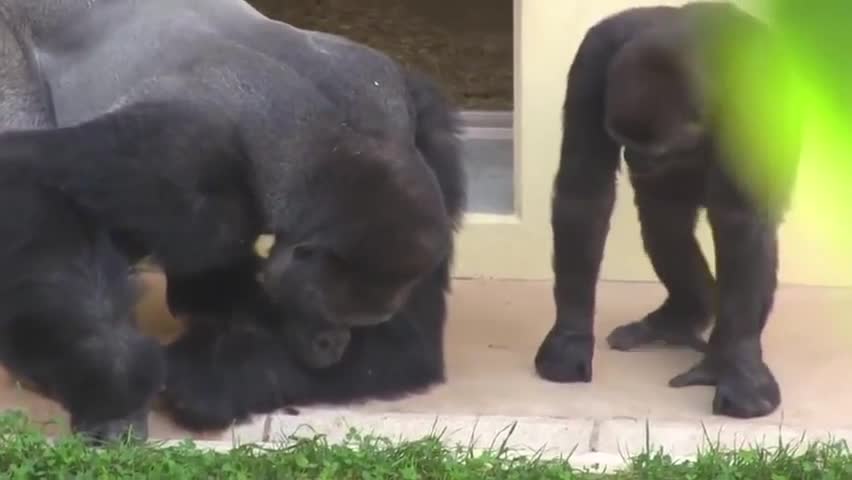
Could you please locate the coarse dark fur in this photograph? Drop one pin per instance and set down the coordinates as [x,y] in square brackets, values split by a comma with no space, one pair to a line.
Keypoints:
[357,176]
[655,81]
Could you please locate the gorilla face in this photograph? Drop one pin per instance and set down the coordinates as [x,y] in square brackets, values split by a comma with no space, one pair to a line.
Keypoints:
[314,344]
[325,286]
[376,227]
[325,296]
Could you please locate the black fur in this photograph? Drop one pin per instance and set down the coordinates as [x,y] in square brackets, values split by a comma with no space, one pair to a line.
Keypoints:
[67,322]
[173,179]
[679,161]
[225,376]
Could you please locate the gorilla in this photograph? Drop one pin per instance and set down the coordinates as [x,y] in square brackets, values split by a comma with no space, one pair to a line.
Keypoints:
[658,82]
[184,130]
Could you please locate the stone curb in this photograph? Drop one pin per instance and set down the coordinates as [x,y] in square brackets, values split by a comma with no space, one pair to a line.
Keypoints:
[590,444]
[685,439]
[590,461]
[545,436]
[528,436]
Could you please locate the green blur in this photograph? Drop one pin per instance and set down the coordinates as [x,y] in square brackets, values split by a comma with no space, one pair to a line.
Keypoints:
[816,41]
[818,34]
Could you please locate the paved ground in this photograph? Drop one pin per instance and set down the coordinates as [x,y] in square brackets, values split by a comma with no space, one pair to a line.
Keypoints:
[494,329]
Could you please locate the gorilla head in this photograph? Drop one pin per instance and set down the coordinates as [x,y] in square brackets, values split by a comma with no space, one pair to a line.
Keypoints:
[655,102]
[354,256]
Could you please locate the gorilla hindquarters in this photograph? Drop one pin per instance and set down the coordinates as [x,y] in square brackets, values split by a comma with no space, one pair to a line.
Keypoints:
[650,80]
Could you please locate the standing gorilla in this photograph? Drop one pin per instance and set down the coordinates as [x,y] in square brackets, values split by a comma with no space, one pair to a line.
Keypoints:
[186,129]
[658,82]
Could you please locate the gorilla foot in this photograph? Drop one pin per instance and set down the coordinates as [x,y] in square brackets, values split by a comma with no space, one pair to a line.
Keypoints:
[641,333]
[132,428]
[702,374]
[565,357]
[743,389]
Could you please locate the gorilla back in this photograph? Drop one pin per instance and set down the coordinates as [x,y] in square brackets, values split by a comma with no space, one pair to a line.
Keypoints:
[648,80]
[348,160]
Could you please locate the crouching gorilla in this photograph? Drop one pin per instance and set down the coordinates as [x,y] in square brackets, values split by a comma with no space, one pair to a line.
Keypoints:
[659,82]
[184,129]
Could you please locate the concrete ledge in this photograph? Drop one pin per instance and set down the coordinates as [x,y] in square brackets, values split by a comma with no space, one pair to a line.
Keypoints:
[486,119]
[545,436]
[487,133]
[527,436]
[588,444]
[485,125]
[589,461]
[686,439]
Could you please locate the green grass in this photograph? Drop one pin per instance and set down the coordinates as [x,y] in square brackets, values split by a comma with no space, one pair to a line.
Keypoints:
[26,454]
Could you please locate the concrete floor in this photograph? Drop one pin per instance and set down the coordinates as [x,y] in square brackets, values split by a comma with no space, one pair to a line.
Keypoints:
[494,330]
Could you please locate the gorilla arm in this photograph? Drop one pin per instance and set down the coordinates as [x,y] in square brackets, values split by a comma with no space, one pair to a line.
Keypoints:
[757,150]
[170,178]
[169,175]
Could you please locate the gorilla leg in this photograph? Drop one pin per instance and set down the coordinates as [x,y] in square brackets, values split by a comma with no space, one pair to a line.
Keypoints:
[168,176]
[584,194]
[217,377]
[668,224]
[746,264]
[67,318]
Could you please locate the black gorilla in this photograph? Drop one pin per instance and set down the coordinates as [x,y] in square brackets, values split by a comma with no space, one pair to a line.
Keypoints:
[185,129]
[660,83]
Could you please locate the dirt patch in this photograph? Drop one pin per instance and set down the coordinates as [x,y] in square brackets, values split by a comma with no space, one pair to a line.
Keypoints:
[464,44]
